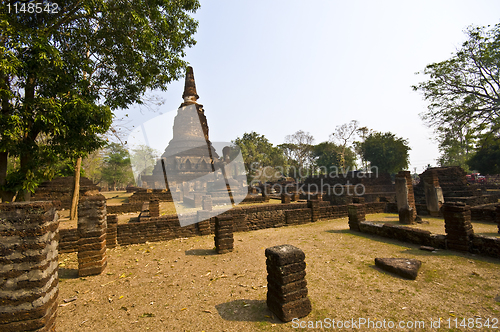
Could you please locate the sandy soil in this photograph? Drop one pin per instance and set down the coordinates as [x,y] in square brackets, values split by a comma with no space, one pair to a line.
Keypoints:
[182,285]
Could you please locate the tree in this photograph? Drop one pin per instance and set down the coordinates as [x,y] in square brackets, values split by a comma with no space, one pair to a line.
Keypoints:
[327,155]
[386,152]
[464,91]
[116,168]
[363,133]
[258,153]
[299,149]
[143,159]
[92,165]
[63,75]
[344,134]
[456,148]
[487,158]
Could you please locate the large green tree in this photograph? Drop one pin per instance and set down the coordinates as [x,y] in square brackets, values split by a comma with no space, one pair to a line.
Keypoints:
[487,158]
[328,155]
[258,153]
[386,152]
[62,75]
[298,149]
[116,169]
[464,91]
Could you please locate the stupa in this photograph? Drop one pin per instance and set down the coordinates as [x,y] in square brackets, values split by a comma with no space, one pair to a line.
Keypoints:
[189,154]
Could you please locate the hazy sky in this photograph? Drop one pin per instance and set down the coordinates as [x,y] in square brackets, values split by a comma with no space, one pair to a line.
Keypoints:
[276,66]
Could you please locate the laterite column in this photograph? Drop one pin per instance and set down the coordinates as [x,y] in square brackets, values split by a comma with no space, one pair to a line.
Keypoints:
[286,284]
[224,241]
[92,232]
[29,282]
[457,224]
[356,214]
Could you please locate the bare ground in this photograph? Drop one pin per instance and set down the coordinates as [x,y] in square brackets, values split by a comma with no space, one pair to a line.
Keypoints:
[182,285]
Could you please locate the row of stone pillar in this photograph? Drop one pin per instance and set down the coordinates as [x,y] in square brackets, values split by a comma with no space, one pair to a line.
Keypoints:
[457,220]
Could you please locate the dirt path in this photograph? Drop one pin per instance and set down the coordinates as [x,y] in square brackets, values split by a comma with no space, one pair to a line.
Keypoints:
[182,285]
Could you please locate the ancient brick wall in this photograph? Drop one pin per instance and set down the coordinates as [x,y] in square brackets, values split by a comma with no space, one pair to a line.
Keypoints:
[403,233]
[245,218]
[375,207]
[332,212]
[146,195]
[61,189]
[29,282]
[124,208]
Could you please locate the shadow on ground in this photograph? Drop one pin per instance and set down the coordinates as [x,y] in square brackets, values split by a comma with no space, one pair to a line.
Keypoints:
[65,273]
[200,252]
[246,311]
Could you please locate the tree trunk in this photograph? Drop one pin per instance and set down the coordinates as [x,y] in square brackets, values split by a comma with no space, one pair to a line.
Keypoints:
[73,214]
[5,196]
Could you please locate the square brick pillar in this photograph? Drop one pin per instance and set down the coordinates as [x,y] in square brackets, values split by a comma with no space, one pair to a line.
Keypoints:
[314,206]
[224,240]
[405,198]
[154,208]
[29,281]
[92,235]
[111,223]
[459,232]
[356,214]
[433,193]
[286,283]
[285,199]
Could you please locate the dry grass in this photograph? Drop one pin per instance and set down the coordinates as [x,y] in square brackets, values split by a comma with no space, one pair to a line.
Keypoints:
[182,285]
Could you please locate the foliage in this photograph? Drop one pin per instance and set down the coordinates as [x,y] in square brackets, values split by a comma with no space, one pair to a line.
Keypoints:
[464,92]
[116,169]
[487,158]
[344,134]
[143,159]
[258,153]
[456,149]
[386,152]
[298,149]
[61,76]
[327,155]
[92,165]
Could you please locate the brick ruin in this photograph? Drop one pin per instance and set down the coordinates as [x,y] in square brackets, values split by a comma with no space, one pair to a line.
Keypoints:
[405,198]
[61,189]
[29,266]
[341,188]
[459,232]
[454,186]
[434,198]
[356,213]
[95,232]
[224,240]
[91,235]
[286,283]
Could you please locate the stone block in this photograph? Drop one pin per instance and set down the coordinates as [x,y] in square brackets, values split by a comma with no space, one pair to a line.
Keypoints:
[290,310]
[404,267]
[284,254]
